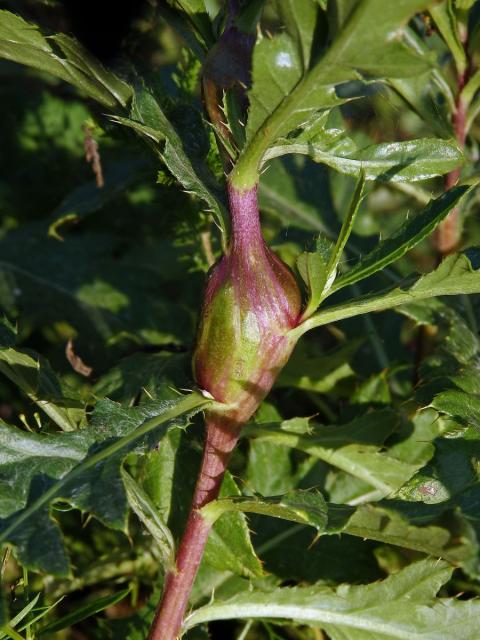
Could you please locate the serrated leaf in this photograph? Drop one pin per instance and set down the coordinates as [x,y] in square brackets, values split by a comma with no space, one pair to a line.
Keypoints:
[313,270]
[413,231]
[454,276]
[305,507]
[22,42]
[404,161]
[381,522]
[345,231]
[82,468]
[282,100]
[320,270]
[384,523]
[402,606]
[80,58]
[355,448]
[148,119]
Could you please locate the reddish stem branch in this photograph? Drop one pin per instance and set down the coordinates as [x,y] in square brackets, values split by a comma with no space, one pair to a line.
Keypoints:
[221,438]
[448,232]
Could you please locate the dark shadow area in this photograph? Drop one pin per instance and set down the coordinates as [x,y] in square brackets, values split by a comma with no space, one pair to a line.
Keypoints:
[102,26]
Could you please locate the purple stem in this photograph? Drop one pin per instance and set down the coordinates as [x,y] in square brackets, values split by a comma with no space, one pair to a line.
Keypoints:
[246,233]
[221,438]
[448,232]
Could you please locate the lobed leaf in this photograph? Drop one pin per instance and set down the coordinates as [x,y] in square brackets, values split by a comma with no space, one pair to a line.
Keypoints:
[403,606]
[148,119]
[82,468]
[385,521]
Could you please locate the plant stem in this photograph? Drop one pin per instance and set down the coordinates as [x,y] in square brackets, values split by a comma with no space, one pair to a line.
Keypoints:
[448,232]
[221,438]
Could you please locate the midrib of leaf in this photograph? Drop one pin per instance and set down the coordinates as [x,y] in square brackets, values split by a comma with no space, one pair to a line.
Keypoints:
[194,401]
[246,172]
[303,612]
[306,148]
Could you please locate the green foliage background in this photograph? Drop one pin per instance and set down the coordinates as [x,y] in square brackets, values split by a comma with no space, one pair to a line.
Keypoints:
[359,474]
